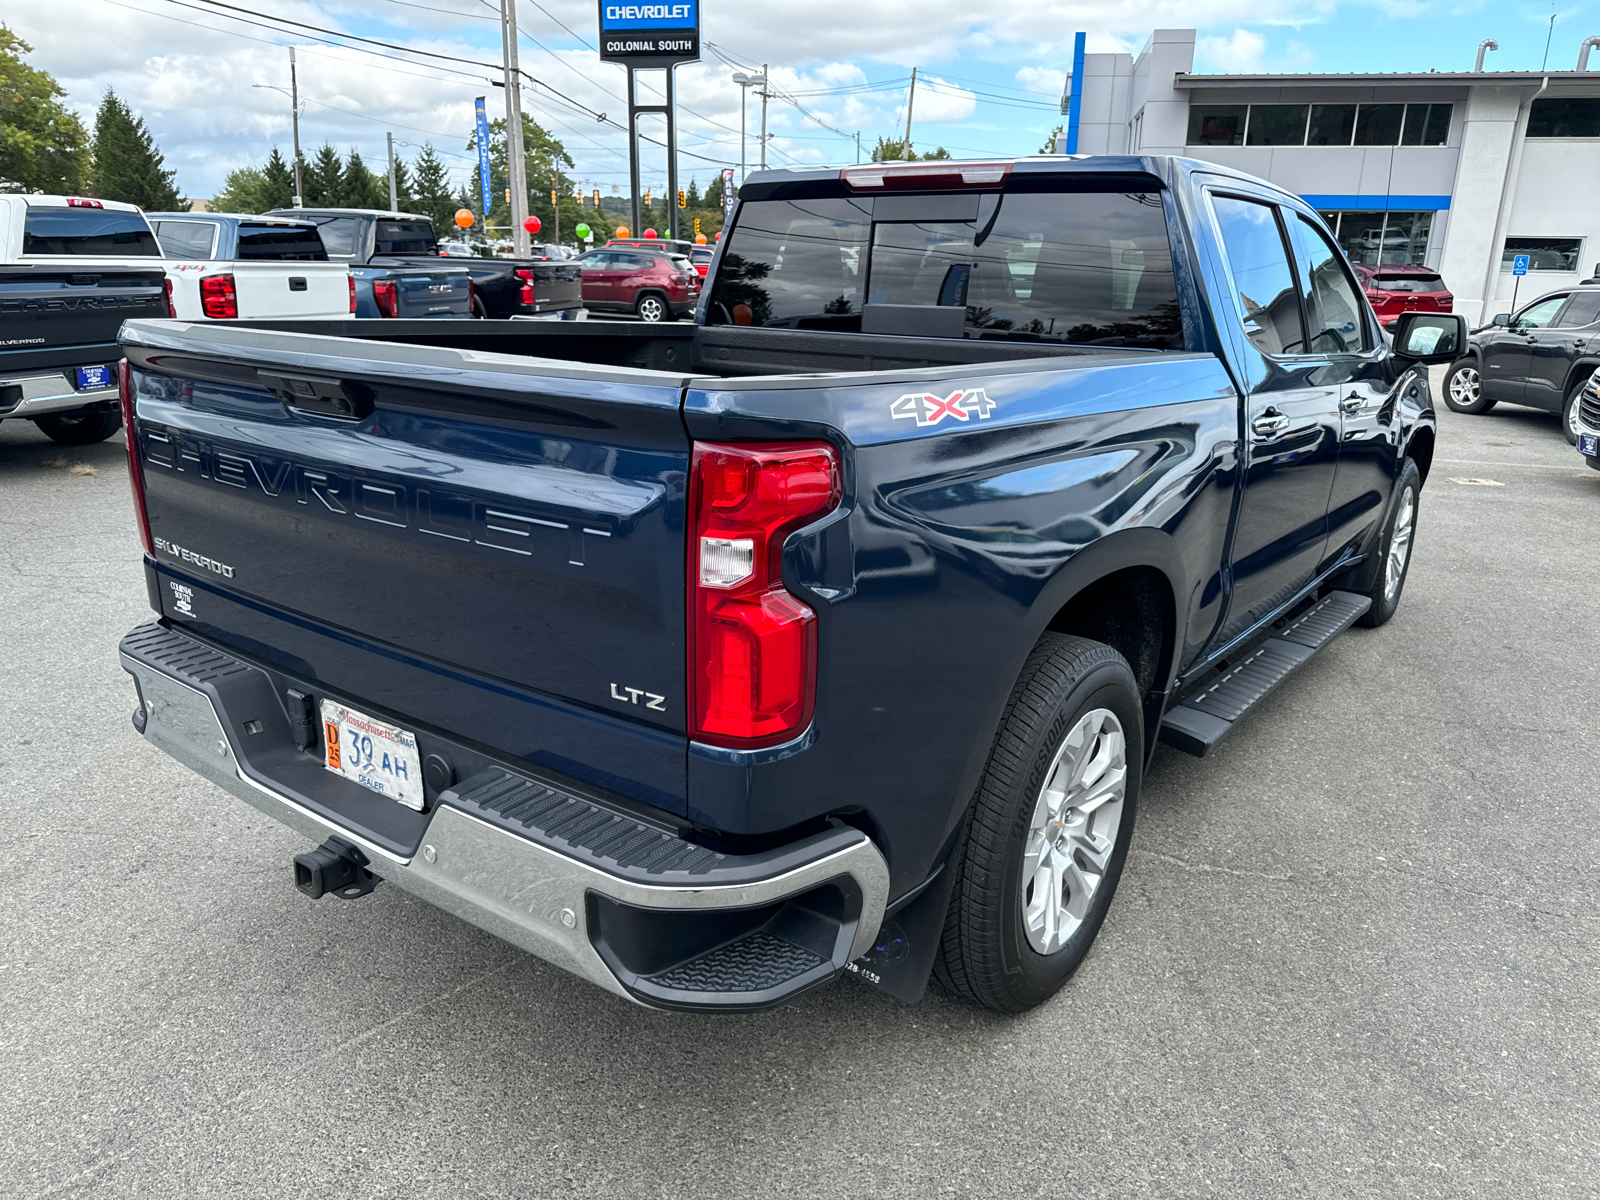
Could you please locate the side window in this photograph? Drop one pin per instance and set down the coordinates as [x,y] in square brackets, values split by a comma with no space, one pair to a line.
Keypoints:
[185,239]
[1583,309]
[338,234]
[1338,325]
[1540,313]
[1263,283]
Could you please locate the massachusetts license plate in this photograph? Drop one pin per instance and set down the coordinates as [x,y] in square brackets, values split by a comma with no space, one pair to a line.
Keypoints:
[373,754]
[1589,444]
[94,377]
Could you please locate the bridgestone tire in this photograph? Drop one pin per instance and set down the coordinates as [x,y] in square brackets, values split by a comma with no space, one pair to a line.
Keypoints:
[1466,376]
[79,429]
[1384,605]
[984,955]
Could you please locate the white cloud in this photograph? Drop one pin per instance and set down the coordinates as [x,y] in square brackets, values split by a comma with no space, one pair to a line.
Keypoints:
[1242,52]
[1047,81]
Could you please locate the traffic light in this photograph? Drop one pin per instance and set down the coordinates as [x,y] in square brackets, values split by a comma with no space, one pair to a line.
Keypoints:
[647,202]
[597,199]
[697,227]
[683,198]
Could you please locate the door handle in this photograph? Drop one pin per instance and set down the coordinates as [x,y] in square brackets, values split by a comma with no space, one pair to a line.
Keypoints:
[1270,421]
[1351,404]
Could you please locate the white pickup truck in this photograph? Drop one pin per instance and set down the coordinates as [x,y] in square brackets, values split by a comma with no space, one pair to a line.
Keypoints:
[226,266]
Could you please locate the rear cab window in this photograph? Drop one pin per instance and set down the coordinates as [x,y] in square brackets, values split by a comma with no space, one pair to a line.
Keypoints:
[185,239]
[338,234]
[406,237]
[1057,265]
[280,243]
[84,232]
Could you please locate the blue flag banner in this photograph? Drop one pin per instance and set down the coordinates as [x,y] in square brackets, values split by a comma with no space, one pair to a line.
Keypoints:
[483,154]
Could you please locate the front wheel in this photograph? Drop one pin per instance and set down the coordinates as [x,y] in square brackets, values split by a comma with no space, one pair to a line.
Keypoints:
[1394,549]
[1048,833]
[1463,389]
[651,308]
[79,429]
[1569,413]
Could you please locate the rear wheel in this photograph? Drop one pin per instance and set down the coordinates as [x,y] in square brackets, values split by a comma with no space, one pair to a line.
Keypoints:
[79,429]
[479,310]
[1569,414]
[1463,388]
[1048,832]
[651,307]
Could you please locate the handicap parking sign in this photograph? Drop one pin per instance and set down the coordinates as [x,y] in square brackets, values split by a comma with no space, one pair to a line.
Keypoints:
[1519,265]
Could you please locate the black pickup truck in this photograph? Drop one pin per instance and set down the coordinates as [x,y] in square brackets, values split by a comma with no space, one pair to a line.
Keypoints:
[71,271]
[829,634]
[502,287]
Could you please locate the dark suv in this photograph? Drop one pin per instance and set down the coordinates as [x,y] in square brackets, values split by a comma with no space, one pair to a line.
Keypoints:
[653,286]
[1540,356]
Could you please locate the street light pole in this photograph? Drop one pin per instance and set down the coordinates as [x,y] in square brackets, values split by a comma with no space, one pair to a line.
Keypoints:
[394,202]
[746,82]
[294,112]
[516,166]
[763,116]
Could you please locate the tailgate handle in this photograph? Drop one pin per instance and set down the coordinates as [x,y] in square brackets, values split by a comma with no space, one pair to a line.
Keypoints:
[297,283]
[319,394]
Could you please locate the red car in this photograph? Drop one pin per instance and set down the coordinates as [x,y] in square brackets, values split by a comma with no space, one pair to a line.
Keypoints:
[651,285]
[1393,290]
[700,256]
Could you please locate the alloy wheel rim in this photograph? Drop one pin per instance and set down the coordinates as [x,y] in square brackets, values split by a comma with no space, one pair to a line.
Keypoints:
[1464,385]
[1074,830]
[1399,545]
[650,310]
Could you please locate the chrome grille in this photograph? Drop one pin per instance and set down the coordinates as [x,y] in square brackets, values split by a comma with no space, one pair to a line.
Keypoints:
[1589,405]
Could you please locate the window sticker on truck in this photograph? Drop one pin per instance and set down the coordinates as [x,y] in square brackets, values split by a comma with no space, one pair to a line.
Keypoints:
[929,409]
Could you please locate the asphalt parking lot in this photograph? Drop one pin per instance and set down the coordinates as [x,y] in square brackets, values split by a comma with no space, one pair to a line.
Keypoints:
[1355,953]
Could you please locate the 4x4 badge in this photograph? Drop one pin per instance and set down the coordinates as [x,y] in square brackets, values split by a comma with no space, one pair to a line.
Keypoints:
[929,409]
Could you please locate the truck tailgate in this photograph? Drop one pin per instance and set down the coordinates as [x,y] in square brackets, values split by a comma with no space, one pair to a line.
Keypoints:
[291,289]
[69,315]
[493,546]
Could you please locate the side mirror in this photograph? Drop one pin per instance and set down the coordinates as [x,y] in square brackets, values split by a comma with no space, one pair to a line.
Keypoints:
[1429,338]
[1501,319]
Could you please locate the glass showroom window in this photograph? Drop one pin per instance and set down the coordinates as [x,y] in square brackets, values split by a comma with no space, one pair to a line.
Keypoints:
[1387,239]
[1563,118]
[1320,124]
[1544,254]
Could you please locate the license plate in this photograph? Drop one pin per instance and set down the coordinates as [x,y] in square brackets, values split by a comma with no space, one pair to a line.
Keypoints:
[94,377]
[372,753]
[1589,444]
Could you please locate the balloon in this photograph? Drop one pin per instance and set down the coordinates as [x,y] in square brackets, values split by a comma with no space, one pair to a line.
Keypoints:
[464,217]
[719,235]
[532,224]
[649,233]
[699,239]
[622,231]
[582,231]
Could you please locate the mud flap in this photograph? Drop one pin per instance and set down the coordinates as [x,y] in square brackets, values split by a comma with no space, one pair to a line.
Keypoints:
[901,960]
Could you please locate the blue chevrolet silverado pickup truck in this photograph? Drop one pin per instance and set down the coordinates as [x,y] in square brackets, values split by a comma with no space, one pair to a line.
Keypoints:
[829,634]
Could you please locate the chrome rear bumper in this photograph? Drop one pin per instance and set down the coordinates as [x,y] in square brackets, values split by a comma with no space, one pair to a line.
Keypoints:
[614,927]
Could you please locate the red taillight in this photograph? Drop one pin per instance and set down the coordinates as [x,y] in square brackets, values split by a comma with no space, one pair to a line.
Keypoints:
[386,294]
[472,297]
[526,275]
[217,297]
[172,309]
[752,645]
[131,437]
[351,280]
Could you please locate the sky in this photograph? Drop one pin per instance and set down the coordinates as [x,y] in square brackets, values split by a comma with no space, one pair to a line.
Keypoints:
[989,76]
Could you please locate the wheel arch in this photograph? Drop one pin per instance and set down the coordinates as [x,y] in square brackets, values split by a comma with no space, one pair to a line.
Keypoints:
[1420,449]
[1580,371]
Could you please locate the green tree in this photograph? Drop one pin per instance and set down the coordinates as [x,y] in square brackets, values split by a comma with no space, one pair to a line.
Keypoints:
[430,191]
[43,147]
[404,193]
[1049,146]
[694,194]
[277,183]
[894,150]
[321,178]
[360,187]
[127,164]
[243,191]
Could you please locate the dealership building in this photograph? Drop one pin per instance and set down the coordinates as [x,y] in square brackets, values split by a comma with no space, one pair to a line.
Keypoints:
[1458,171]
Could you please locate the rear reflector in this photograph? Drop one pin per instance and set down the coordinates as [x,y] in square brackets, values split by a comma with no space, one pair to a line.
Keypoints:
[752,644]
[218,298]
[131,438]
[386,294]
[940,174]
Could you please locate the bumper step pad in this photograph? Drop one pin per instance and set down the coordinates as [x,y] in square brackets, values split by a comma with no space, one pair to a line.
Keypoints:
[1208,716]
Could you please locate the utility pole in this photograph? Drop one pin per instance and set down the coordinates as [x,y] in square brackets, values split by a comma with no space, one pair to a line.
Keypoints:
[763,116]
[516,166]
[394,202]
[911,98]
[294,109]
[858,147]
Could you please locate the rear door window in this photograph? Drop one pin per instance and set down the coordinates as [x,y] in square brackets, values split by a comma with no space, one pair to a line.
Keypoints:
[1086,268]
[406,237]
[281,243]
[185,239]
[100,232]
[1582,309]
[1263,285]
